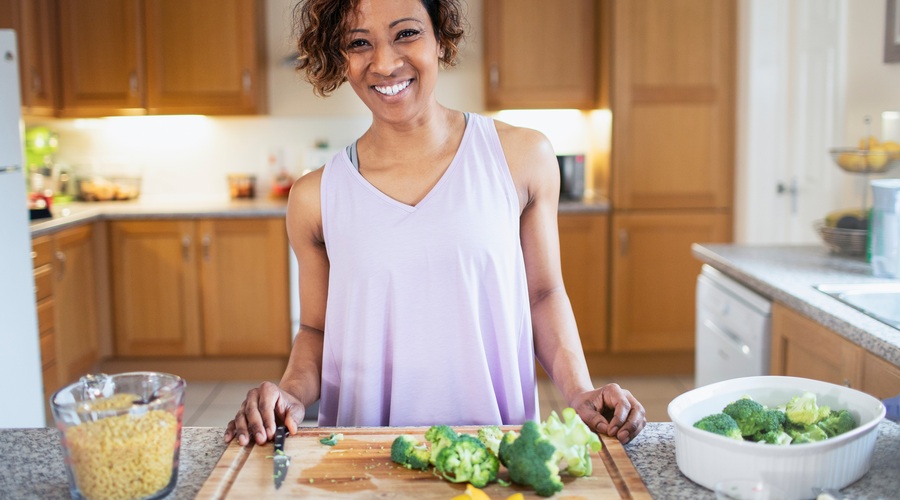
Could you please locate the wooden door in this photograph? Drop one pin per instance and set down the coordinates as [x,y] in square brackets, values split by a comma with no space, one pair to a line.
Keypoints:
[205,56]
[673,82]
[654,275]
[541,54]
[584,250]
[75,300]
[246,296]
[879,377]
[155,289]
[34,22]
[101,54]
[803,348]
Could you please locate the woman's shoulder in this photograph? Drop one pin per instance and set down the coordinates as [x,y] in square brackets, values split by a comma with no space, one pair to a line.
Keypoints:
[522,140]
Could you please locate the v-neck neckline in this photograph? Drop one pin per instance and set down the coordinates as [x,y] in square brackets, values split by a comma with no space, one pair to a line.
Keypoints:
[393,201]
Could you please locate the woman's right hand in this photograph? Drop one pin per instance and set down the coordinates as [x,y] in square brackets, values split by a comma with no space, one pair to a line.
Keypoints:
[264,408]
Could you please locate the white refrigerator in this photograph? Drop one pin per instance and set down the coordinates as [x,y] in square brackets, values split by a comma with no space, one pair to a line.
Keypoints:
[20,355]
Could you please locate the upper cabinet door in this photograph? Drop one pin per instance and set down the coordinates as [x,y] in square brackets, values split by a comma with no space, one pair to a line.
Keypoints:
[541,54]
[34,22]
[100,52]
[673,103]
[205,56]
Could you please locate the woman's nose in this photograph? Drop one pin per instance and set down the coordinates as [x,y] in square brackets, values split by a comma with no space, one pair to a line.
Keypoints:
[386,60]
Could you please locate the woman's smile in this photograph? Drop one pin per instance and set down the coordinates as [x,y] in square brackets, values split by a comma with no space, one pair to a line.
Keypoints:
[392,90]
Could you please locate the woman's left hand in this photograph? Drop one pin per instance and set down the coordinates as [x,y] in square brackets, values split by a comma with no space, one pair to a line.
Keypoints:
[611,410]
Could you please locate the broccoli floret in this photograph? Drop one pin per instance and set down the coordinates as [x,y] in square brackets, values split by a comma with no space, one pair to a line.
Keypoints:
[409,452]
[491,435]
[805,433]
[507,438]
[440,436]
[467,460]
[749,415]
[574,440]
[720,423]
[532,460]
[837,422]
[774,437]
[803,410]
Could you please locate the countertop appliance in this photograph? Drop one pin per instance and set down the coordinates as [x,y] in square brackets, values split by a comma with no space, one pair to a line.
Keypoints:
[20,358]
[733,329]
[571,176]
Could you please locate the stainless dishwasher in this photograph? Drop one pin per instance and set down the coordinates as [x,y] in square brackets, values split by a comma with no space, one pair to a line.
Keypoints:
[733,327]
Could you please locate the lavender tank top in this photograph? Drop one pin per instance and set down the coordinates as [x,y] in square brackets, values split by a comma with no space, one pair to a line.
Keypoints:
[428,318]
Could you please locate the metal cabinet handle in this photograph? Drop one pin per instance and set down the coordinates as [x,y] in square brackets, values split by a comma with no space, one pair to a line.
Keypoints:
[494,75]
[36,83]
[247,81]
[61,269]
[205,243]
[186,248]
[623,242]
[133,82]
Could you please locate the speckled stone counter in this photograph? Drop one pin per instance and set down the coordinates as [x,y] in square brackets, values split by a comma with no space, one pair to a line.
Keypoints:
[72,214]
[32,465]
[788,274]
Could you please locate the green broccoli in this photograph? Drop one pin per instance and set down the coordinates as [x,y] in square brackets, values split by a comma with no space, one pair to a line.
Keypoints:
[805,433]
[750,416]
[507,438]
[837,422]
[531,459]
[466,459]
[574,440]
[491,435]
[720,423]
[803,410]
[774,437]
[409,452]
[440,436]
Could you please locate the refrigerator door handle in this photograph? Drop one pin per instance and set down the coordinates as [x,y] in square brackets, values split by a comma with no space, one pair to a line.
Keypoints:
[10,168]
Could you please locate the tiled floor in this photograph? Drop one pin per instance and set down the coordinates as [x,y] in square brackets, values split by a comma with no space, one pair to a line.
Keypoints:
[213,404]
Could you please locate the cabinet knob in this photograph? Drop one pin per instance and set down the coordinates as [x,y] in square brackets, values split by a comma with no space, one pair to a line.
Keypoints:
[133,82]
[36,83]
[61,260]
[623,242]
[186,248]
[494,75]
[247,81]
[205,243]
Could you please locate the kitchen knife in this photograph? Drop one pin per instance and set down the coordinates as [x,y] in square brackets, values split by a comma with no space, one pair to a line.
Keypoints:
[281,460]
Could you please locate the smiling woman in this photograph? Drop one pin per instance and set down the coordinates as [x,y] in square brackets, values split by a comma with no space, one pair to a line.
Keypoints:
[433,241]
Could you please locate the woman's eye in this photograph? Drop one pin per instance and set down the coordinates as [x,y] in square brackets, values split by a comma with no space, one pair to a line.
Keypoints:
[407,33]
[358,43]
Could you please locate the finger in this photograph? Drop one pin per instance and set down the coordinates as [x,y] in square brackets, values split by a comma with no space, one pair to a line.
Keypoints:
[269,394]
[229,432]
[240,428]
[635,423]
[593,419]
[296,414]
[255,426]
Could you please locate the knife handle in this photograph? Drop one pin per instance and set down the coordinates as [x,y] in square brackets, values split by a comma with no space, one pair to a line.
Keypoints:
[280,433]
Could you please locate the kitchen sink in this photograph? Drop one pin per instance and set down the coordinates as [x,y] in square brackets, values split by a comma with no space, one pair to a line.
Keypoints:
[879,300]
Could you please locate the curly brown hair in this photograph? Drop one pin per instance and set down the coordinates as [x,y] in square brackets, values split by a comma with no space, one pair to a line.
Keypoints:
[321,27]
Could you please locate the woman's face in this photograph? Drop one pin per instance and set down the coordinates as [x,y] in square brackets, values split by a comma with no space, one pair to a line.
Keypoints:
[393,57]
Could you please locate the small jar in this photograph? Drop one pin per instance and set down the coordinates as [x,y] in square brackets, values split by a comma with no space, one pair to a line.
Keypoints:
[121,434]
[242,186]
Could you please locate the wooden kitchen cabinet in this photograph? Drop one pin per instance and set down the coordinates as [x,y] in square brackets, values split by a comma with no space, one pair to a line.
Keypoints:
[35,25]
[126,57]
[654,275]
[540,54]
[673,92]
[802,347]
[584,247]
[42,261]
[213,287]
[75,299]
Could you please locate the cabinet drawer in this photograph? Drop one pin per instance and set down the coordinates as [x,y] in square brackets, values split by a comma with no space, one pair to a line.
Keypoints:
[43,282]
[41,251]
[45,316]
[48,349]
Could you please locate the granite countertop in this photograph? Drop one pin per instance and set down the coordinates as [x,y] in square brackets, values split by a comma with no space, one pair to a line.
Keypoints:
[75,213]
[33,465]
[788,274]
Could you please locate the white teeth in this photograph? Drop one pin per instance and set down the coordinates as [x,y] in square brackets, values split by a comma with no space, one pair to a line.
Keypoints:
[393,89]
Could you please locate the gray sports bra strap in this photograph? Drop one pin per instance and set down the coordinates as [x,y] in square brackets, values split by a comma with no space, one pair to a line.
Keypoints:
[354,157]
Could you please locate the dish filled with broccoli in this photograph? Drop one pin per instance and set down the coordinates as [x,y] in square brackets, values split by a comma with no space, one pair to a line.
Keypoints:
[535,456]
[799,420]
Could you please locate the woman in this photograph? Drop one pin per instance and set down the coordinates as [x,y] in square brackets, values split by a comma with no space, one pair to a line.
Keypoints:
[433,241]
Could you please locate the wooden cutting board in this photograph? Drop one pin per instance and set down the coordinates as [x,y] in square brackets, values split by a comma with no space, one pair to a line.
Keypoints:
[360,466]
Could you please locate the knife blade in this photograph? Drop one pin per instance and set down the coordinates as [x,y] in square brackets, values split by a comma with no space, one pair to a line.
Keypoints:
[281,460]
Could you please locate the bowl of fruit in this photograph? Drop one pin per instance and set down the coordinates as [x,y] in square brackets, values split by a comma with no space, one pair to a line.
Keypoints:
[845,232]
[871,156]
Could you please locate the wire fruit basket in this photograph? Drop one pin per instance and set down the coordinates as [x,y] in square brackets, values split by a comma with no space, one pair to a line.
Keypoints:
[842,241]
